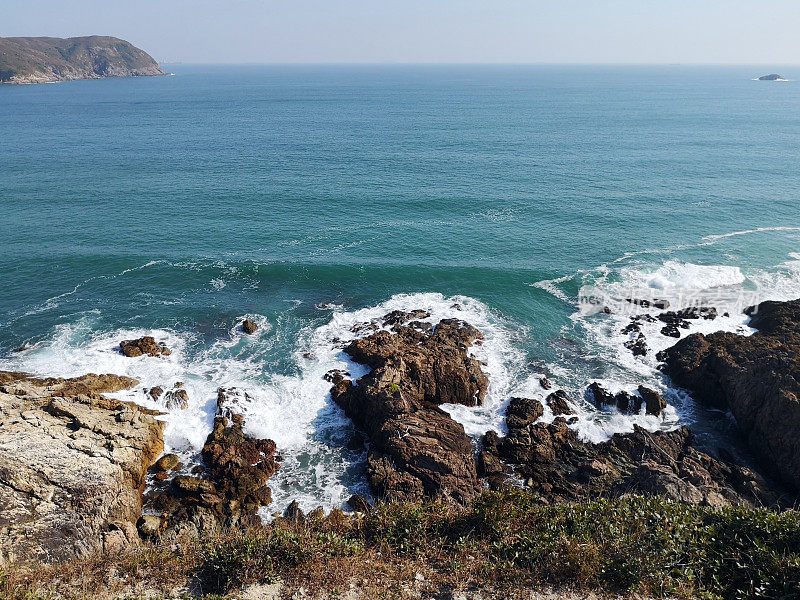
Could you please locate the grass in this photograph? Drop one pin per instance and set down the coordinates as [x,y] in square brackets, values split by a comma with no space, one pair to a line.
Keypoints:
[505,541]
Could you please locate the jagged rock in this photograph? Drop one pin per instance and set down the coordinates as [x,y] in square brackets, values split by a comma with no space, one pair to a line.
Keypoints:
[756,377]
[72,464]
[671,331]
[654,402]
[523,411]
[143,345]
[545,383]
[638,345]
[294,513]
[155,393]
[359,504]
[177,399]
[552,460]
[627,402]
[249,326]
[416,449]
[559,402]
[229,492]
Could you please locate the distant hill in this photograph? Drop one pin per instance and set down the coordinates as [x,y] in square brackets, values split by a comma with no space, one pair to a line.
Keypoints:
[46,59]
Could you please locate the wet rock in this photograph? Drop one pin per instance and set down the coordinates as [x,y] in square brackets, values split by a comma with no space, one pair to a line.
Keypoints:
[671,331]
[559,402]
[545,383]
[72,463]
[294,513]
[637,345]
[155,393]
[755,377]
[654,402]
[416,449]
[359,504]
[228,492]
[552,460]
[249,326]
[177,399]
[168,462]
[661,304]
[143,346]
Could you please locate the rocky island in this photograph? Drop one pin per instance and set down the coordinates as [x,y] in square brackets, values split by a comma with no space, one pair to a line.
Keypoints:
[48,60]
[771,77]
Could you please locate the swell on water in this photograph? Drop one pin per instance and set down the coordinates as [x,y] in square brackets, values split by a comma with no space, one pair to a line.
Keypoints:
[293,407]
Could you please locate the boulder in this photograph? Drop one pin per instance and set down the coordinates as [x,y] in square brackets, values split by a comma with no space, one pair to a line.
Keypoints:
[143,346]
[72,466]
[559,402]
[756,378]
[249,326]
[416,449]
[177,399]
[626,402]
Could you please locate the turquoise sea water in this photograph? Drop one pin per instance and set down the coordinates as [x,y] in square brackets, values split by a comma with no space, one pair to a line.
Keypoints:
[302,195]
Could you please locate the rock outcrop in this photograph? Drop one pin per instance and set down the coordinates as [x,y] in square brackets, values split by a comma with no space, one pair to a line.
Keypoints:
[624,401]
[756,377]
[72,467]
[144,345]
[249,326]
[228,492]
[46,59]
[416,449]
[551,459]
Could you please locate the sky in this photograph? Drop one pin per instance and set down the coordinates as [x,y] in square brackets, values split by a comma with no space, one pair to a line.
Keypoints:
[428,31]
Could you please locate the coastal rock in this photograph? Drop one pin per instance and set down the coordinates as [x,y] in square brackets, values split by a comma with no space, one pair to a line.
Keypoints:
[756,378]
[626,402]
[416,449]
[554,461]
[72,466]
[143,345]
[559,402]
[177,399]
[249,326]
[228,492]
[770,77]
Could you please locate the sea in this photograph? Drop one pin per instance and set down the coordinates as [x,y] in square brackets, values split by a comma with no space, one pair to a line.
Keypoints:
[531,201]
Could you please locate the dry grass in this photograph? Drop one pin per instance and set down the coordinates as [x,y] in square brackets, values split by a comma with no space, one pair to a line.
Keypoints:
[507,542]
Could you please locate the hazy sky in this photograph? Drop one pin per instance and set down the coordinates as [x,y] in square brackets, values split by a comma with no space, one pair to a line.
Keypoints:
[585,31]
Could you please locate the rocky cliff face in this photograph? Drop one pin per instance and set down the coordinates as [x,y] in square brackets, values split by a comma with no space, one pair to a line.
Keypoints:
[45,60]
[72,467]
[757,378]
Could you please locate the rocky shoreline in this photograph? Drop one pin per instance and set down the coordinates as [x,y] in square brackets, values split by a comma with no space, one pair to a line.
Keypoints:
[82,474]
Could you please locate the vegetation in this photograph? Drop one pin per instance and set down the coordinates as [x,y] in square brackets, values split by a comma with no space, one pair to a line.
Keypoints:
[506,540]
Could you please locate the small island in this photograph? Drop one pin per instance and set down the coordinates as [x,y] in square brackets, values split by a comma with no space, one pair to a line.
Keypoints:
[771,77]
[48,60]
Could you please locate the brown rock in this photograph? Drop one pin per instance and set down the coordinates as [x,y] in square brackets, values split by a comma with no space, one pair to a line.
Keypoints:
[757,378]
[416,449]
[168,462]
[177,399]
[143,345]
[559,402]
[553,461]
[249,326]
